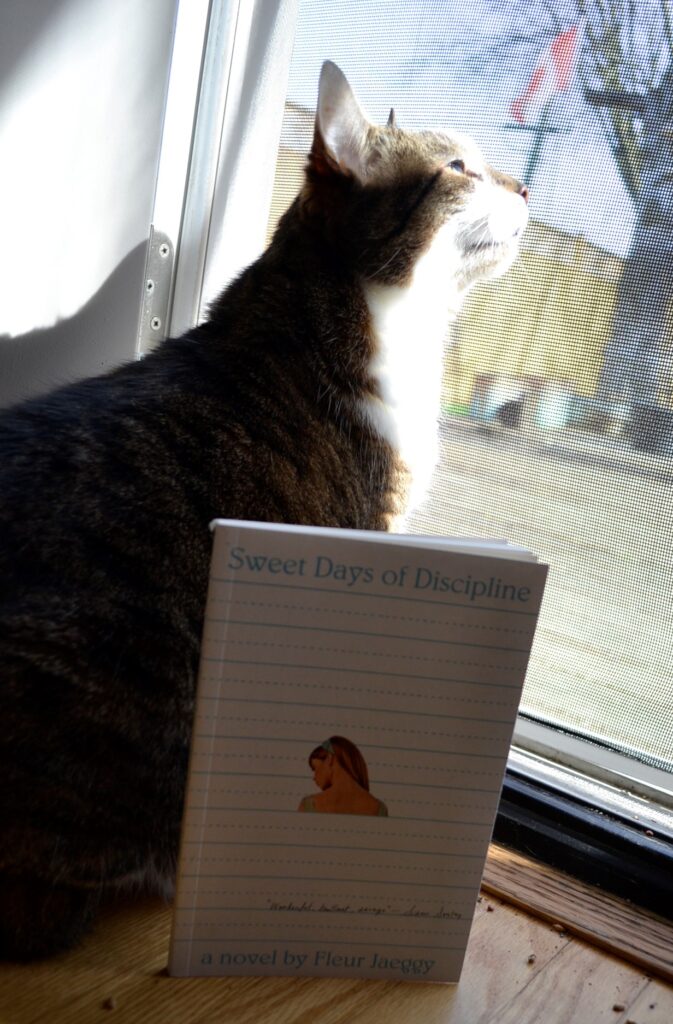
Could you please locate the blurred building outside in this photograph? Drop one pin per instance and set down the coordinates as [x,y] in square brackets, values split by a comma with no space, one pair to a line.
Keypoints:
[528,352]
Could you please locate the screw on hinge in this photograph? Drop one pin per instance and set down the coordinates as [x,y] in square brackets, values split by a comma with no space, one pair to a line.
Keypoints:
[149,286]
[155,323]
[164,250]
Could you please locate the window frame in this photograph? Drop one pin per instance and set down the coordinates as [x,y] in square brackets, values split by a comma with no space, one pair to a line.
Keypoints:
[603,848]
[595,759]
[573,801]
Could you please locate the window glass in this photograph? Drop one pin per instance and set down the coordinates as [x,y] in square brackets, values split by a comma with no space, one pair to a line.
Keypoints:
[557,418]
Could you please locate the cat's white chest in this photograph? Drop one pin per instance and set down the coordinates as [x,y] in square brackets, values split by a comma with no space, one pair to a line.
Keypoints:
[410,324]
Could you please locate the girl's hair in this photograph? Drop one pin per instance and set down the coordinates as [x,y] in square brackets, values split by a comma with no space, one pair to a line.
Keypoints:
[348,756]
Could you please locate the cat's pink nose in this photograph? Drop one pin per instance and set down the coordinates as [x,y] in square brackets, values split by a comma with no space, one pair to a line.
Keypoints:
[523,192]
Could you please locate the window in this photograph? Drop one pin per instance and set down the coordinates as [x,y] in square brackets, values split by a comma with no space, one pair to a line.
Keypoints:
[557,420]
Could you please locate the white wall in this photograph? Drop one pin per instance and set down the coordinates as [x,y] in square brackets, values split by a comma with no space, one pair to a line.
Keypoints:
[82,94]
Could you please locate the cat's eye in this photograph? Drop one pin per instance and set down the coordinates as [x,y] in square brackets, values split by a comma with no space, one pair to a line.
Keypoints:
[457,165]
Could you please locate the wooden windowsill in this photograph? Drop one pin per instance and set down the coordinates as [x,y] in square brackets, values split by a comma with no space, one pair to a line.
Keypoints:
[635,935]
[519,969]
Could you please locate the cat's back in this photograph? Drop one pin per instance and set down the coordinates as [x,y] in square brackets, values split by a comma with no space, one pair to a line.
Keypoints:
[84,452]
[235,419]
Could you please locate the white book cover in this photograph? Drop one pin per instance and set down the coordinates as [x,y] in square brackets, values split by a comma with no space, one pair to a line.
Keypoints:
[356,701]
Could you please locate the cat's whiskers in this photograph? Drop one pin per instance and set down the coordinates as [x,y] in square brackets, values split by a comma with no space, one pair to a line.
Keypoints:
[479,234]
[387,263]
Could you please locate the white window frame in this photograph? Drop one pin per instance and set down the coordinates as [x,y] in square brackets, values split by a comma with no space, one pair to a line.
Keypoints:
[211,147]
[593,761]
[222,126]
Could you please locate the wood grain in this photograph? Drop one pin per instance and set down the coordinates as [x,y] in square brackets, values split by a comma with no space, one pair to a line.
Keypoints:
[612,924]
[653,1006]
[584,981]
[124,960]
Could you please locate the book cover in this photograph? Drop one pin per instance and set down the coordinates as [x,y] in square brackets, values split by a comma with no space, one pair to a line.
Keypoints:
[356,701]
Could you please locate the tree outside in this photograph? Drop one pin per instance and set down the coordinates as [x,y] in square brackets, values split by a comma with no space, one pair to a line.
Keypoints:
[625,68]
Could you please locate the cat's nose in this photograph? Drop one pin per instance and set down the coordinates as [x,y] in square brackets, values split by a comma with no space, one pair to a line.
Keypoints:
[523,192]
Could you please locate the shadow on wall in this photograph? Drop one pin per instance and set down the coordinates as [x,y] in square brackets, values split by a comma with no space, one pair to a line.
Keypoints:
[24,24]
[100,336]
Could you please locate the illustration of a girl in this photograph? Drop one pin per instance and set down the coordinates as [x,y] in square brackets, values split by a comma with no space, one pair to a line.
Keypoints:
[340,772]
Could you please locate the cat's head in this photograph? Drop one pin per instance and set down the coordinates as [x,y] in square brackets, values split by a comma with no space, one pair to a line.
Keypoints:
[383,195]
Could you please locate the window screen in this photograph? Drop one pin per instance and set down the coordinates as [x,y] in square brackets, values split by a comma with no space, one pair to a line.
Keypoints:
[557,417]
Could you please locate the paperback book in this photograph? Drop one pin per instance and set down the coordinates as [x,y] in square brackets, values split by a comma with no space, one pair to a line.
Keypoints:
[356,702]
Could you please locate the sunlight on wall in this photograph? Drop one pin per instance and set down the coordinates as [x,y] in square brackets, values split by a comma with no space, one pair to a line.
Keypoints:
[79,125]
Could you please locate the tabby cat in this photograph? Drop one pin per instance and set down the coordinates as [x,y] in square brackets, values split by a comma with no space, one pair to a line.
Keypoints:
[309,395]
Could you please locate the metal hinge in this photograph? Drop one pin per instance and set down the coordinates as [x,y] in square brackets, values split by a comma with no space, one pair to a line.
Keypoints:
[153,325]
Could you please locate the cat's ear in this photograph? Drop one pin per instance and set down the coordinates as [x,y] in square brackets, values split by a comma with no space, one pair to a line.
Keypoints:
[391,122]
[340,140]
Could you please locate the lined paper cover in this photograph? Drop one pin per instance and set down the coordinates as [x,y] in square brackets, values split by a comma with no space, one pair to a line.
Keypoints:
[417,656]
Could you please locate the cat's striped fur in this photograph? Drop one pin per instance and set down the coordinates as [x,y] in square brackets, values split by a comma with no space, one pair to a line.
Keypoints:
[310,395]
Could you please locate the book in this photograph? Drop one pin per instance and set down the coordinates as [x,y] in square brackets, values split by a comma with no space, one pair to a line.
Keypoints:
[356,700]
